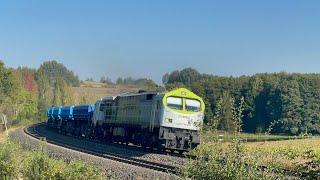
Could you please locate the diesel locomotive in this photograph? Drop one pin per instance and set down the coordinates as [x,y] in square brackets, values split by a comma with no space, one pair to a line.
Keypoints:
[169,120]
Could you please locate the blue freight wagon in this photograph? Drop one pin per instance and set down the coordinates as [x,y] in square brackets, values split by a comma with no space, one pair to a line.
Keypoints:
[66,113]
[82,112]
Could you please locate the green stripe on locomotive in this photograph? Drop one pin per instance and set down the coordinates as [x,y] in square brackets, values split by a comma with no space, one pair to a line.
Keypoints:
[184,94]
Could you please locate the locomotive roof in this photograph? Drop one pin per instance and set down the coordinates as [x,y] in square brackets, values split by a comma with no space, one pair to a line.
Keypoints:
[127,94]
[137,93]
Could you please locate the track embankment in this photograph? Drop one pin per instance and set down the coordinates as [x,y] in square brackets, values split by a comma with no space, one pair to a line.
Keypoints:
[117,162]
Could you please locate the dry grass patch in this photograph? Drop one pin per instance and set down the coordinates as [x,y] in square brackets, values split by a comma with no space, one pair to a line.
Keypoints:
[291,154]
[2,137]
[296,155]
[3,134]
[93,91]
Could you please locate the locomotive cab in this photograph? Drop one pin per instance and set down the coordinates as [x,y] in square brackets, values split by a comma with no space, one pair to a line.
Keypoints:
[183,113]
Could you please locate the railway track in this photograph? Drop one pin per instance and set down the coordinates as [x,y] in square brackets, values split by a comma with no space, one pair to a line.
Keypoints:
[32,131]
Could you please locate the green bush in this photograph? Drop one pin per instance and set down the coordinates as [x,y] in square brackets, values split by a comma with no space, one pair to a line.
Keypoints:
[216,162]
[9,161]
[38,165]
[78,170]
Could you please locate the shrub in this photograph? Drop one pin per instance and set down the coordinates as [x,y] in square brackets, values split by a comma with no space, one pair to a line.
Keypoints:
[9,161]
[215,161]
[78,170]
[218,162]
[38,165]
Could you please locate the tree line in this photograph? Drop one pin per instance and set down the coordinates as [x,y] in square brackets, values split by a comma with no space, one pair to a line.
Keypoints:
[128,81]
[25,93]
[273,102]
[276,102]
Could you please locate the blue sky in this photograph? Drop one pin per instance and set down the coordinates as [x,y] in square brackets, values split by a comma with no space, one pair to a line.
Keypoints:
[148,38]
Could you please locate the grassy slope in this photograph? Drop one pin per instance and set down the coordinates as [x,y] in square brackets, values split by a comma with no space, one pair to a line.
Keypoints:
[288,154]
[3,137]
[94,90]
[3,134]
[210,136]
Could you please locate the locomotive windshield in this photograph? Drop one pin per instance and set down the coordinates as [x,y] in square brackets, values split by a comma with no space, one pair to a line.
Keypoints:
[175,103]
[193,105]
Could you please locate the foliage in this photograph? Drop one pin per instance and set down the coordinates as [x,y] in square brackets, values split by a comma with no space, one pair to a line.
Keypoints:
[26,108]
[15,100]
[132,81]
[78,170]
[296,155]
[142,83]
[9,161]
[18,164]
[106,80]
[225,113]
[53,70]
[26,77]
[226,162]
[288,103]
[62,93]
[45,94]
[54,81]
[38,165]
[215,162]
[210,135]
[26,94]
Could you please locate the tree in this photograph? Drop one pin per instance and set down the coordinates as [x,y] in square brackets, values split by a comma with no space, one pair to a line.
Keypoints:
[225,113]
[62,93]
[165,78]
[53,70]
[105,80]
[57,94]
[189,76]
[29,83]
[45,94]
[119,80]
[291,107]
[90,79]
[290,103]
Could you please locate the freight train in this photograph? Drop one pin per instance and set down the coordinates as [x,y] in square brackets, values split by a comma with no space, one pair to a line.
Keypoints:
[169,120]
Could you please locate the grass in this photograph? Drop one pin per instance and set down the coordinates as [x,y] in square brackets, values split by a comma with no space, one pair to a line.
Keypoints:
[3,137]
[209,136]
[295,154]
[291,154]
[17,163]
[94,90]
[3,134]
